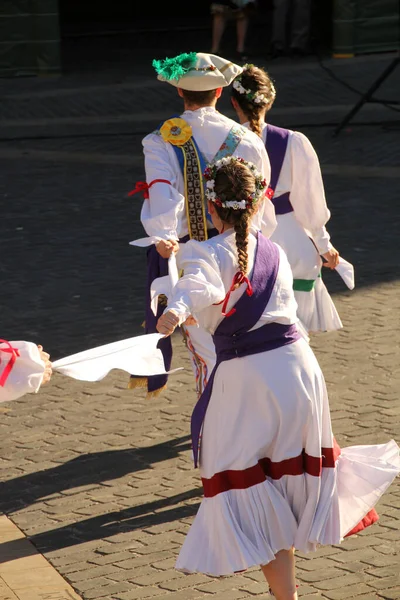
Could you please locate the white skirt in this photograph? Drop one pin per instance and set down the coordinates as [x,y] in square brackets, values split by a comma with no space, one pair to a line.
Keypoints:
[271,475]
[316,309]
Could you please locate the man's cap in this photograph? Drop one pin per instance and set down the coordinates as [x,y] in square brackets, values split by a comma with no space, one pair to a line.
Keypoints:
[197,71]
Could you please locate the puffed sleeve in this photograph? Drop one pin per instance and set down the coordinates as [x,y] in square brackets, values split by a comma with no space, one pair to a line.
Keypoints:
[25,375]
[161,212]
[307,194]
[265,218]
[201,284]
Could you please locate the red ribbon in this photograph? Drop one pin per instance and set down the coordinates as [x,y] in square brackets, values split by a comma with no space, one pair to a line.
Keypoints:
[142,186]
[237,281]
[8,368]
[270,193]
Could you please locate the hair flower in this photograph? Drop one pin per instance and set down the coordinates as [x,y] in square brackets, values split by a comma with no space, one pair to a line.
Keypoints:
[210,173]
[254,96]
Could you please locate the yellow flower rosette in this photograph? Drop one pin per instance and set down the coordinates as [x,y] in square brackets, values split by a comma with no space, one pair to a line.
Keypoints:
[176,131]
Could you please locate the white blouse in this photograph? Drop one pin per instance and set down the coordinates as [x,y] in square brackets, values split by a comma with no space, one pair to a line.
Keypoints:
[209,268]
[301,176]
[163,214]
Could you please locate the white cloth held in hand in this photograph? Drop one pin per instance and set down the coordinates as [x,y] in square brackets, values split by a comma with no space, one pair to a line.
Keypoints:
[137,355]
[346,272]
[26,375]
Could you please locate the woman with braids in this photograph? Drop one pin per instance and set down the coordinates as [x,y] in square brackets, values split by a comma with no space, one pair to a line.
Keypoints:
[272,476]
[298,194]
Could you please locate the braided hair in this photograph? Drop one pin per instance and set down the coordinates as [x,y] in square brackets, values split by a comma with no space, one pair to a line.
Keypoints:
[234,181]
[254,82]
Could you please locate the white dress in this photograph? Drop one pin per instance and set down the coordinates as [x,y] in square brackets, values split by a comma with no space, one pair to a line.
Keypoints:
[268,414]
[302,233]
[163,214]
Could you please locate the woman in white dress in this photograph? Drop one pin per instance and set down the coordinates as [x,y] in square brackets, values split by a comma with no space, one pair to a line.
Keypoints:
[298,196]
[274,480]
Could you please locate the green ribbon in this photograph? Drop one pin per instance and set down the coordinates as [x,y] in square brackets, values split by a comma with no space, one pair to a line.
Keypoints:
[304,285]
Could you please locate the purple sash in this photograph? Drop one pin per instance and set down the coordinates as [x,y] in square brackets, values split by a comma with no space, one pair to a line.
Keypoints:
[232,337]
[276,145]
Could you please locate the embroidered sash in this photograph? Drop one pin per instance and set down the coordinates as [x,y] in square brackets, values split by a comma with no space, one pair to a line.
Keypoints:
[193,163]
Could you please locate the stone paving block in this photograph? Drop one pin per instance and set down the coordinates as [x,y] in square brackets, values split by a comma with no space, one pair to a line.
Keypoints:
[186,595]
[93,584]
[157,577]
[385,582]
[345,580]
[393,594]
[108,591]
[231,594]
[141,592]
[322,575]
[94,572]
[185,582]
[222,584]
[255,589]
[316,564]
[139,561]
[346,592]
[387,571]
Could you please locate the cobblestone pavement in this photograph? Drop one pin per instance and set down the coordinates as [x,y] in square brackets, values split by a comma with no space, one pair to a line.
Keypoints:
[100,479]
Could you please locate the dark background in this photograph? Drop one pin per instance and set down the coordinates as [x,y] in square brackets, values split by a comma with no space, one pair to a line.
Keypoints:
[89,17]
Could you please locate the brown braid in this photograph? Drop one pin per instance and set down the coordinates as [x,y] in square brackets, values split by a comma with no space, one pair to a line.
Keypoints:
[257,80]
[241,228]
[235,181]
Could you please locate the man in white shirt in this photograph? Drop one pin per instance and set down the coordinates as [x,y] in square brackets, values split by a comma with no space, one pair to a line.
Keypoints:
[174,209]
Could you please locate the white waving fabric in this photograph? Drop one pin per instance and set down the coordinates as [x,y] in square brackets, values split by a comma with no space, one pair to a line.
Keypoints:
[137,355]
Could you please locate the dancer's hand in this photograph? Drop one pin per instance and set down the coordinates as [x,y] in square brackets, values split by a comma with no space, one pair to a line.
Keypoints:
[167,323]
[48,366]
[332,258]
[166,247]
[191,321]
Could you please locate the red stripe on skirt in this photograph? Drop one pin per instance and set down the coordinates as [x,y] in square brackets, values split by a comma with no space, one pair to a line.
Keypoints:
[298,465]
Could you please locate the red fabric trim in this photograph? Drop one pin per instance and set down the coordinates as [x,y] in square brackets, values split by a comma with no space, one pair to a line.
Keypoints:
[142,186]
[243,479]
[369,519]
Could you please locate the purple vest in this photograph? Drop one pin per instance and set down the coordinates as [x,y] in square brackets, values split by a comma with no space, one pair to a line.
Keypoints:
[232,337]
[276,145]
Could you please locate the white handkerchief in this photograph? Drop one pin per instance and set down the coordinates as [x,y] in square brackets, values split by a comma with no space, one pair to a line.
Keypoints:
[161,285]
[164,285]
[346,272]
[173,270]
[137,355]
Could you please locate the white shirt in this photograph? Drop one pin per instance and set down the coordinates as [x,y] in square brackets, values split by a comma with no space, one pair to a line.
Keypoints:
[163,213]
[209,268]
[301,176]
